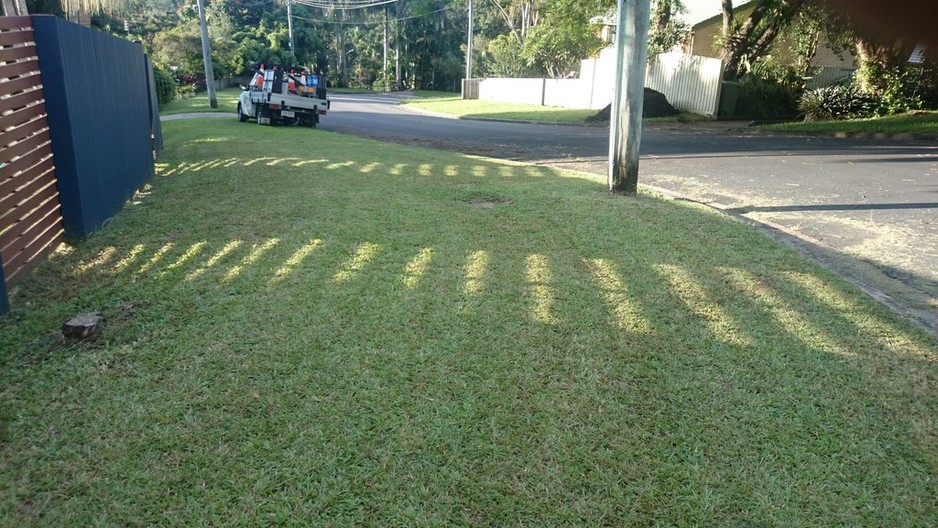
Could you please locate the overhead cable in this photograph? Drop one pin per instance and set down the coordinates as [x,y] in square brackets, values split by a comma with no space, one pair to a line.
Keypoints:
[363,23]
[344,5]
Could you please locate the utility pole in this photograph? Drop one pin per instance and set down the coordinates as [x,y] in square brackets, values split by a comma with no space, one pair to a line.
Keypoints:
[387,36]
[290,27]
[342,59]
[207,57]
[469,45]
[398,85]
[625,123]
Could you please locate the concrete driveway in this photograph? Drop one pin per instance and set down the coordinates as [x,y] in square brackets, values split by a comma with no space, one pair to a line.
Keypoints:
[864,208]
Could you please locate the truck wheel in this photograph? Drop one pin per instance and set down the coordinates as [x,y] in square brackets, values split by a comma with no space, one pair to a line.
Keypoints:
[260,112]
[313,121]
[241,116]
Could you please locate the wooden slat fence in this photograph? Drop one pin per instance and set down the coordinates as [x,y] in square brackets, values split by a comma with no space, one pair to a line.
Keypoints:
[30,212]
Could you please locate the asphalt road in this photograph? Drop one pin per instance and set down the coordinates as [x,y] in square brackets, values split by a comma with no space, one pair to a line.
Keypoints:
[865,208]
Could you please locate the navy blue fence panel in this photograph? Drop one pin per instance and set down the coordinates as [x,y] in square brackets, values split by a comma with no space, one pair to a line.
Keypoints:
[97,98]
[155,128]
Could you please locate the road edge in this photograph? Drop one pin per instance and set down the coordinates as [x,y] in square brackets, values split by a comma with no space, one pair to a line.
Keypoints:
[817,252]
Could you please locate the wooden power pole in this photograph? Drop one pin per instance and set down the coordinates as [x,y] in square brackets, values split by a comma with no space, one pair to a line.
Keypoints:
[469,45]
[290,28]
[207,57]
[387,45]
[625,123]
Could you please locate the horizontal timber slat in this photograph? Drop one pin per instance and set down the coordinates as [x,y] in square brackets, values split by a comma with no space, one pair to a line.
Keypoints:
[20,100]
[16,22]
[17,53]
[23,147]
[46,235]
[17,68]
[25,184]
[16,37]
[9,238]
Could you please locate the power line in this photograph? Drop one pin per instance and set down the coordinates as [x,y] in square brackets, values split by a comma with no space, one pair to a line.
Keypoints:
[370,23]
[345,5]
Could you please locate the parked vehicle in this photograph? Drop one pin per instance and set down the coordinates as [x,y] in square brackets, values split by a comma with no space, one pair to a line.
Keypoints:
[291,97]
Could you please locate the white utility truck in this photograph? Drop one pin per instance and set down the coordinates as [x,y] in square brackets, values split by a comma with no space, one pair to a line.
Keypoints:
[291,97]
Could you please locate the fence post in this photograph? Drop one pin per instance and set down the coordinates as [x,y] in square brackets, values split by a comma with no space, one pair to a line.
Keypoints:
[156,130]
[593,81]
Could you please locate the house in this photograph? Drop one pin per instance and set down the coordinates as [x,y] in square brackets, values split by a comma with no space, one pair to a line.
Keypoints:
[705,35]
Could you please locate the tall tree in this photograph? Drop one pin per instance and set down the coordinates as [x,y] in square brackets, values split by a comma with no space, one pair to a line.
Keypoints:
[565,36]
[745,40]
[665,31]
[519,15]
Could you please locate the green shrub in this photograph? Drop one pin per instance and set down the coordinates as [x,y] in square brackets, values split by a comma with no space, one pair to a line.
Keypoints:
[836,102]
[503,58]
[898,91]
[928,86]
[769,90]
[897,87]
[165,87]
[384,83]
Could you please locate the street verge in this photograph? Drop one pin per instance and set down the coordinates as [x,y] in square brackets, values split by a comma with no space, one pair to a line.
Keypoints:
[373,334]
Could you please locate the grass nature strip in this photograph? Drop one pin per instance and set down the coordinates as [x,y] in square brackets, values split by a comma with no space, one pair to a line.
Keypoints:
[456,106]
[227,100]
[913,124]
[917,123]
[303,327]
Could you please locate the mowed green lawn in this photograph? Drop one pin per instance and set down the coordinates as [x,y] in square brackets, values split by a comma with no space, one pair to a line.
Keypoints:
[919,122]
[312,329]
[226,99]
[456,106]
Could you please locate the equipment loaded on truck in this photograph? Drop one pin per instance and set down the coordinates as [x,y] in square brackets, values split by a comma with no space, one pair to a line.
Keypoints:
[276,96]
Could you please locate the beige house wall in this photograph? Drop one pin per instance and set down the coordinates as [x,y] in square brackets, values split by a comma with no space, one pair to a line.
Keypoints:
[705,35]
[703,40]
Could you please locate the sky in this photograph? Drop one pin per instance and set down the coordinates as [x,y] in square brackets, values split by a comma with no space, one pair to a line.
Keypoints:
[698,10]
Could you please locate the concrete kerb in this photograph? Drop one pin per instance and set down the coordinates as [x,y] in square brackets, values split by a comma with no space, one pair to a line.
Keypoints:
[194,115]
